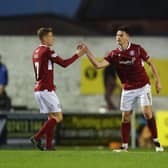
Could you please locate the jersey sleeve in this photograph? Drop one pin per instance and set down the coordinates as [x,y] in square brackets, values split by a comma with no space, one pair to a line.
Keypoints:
[143,54]
[62,62]
[109,57]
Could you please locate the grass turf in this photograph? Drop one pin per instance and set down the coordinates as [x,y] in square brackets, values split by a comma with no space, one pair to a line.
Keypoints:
[82,159]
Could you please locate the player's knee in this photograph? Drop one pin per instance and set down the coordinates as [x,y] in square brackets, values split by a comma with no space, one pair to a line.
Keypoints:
[147,111]
[126,117]
[148,115]
[59,118]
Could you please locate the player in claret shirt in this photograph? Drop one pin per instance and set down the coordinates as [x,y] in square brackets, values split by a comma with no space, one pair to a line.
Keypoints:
[43,62]
[129,59]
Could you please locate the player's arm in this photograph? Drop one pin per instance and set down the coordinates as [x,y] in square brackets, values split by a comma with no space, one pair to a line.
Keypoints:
[66,62]
[156,75]
[147,59]
[96,64]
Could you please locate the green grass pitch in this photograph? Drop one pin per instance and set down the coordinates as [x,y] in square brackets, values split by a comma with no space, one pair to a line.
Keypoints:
[69,158]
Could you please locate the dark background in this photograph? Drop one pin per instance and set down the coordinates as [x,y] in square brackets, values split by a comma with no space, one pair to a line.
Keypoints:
[86,17]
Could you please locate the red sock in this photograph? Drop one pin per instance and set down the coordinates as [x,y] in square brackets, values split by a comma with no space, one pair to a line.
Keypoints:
[44,128]
[50,135]
[152,127]
[125,131]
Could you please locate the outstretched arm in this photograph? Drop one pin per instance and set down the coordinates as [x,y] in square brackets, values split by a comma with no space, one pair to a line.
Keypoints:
[96,64]
[156,76]
[66,62]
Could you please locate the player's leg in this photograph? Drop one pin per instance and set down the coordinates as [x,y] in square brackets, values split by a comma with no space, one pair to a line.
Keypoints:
[125,128]
[126,106]
[36,139]
[55,115]
[125,131]
[47,126]
[47,101]
[151,122]
[44,128]
[57,118]
[146,103]
[48,129]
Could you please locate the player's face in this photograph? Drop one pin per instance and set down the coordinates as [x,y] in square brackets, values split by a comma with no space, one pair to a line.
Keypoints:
[122,38]
[49,39]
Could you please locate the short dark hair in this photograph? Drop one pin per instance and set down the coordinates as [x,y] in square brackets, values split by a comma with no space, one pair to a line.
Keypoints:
[43,31]
[125,29]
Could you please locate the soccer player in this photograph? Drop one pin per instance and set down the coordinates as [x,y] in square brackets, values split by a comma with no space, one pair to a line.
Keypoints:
[43,62]
[128,60]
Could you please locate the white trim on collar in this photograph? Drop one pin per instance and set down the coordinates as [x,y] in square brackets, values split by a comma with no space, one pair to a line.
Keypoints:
[129,45]
[43,45]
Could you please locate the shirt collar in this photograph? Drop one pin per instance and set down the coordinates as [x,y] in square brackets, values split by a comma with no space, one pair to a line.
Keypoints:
[129,45]
[43,45]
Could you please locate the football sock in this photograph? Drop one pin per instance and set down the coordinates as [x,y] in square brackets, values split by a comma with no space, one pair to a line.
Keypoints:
[50,135]
[44,128]
[152,127]
[125,132]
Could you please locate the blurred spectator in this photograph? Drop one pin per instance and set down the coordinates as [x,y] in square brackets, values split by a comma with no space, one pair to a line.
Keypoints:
[5,102]
[110,85]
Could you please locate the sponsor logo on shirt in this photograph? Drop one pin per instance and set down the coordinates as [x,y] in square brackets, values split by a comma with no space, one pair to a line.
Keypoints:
[128,62]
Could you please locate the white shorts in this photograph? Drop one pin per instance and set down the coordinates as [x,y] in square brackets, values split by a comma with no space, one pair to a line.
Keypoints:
[47,101]
[129,98]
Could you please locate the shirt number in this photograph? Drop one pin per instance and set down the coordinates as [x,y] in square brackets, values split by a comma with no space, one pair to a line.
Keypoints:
[36,64]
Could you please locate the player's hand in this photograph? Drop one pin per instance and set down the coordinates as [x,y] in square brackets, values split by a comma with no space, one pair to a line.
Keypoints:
[158,86]
[81,49]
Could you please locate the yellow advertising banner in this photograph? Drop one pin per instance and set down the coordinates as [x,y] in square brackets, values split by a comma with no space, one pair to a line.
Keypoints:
[92,79]
[162,124]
